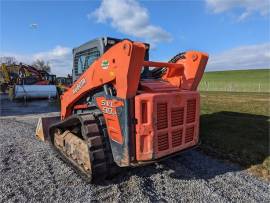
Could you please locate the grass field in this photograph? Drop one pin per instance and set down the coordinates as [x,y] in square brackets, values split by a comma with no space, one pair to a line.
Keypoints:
[237,81]
[235,126]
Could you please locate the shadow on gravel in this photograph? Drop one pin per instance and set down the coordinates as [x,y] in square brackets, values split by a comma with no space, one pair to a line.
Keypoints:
[228,136]
[190,165]
[20,107]
[240,137]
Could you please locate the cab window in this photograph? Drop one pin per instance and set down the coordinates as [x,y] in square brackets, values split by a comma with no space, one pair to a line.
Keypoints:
[86,58]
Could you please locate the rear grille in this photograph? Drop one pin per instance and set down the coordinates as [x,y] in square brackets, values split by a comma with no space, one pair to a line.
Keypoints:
[173,126]
[189,134]
[177,138]
[191,110]
[162,116]
[177,116]
[163,142]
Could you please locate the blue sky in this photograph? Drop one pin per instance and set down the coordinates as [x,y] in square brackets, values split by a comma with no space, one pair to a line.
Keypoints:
[235,33]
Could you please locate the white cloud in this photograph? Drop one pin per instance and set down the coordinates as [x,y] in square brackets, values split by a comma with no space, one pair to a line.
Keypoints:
[244,57]
[249,6]
[130,18]
[60,59]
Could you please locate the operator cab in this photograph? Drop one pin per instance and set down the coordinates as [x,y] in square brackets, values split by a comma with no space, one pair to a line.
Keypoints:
[87,53]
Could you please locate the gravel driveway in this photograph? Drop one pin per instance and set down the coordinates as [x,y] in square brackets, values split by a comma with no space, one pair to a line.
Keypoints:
[31,172]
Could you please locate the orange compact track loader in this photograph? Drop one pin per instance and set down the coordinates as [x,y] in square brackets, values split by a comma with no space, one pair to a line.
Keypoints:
[124,110]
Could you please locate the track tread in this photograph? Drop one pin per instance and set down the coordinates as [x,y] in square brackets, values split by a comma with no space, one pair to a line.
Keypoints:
[95,133]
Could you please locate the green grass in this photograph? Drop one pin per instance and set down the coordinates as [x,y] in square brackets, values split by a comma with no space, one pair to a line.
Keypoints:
[237,81]
[235,126]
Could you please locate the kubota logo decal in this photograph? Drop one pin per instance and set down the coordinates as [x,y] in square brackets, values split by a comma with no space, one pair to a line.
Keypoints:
[105,64]
[78,86]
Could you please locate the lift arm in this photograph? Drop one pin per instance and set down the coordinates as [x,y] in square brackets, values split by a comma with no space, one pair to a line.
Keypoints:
[120,65]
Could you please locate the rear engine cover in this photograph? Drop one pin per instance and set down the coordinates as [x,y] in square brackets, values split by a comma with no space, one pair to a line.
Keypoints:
[166,123]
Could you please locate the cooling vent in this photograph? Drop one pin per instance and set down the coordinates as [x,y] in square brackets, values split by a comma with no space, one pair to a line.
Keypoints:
[189,134]
[163,142]
[162,116]
[177,138]
[191,110]
[177,116]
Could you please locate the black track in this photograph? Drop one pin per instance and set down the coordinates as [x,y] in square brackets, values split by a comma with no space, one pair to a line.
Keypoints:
[92,129]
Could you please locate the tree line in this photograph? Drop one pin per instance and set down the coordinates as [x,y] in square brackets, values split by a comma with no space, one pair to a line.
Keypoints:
[39,64]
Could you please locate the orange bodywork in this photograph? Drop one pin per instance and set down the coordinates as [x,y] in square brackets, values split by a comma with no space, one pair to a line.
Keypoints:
[166,110]
[108,108]
[125,61]
[190,72]
[167,121]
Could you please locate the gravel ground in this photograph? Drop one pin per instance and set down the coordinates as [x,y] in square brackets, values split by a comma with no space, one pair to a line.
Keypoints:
[31,172]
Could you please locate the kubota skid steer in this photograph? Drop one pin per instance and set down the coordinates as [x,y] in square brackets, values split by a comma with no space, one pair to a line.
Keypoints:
[116,115]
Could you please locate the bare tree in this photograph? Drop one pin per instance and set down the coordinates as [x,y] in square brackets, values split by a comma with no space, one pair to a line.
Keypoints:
[8,60]
[42,65]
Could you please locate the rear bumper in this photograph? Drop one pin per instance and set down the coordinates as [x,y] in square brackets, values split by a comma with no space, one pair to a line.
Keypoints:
[143,163]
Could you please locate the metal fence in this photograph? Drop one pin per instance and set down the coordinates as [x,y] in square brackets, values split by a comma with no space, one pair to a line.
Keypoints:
[234,87]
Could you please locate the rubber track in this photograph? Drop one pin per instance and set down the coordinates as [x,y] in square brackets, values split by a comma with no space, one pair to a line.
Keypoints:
[94,132]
